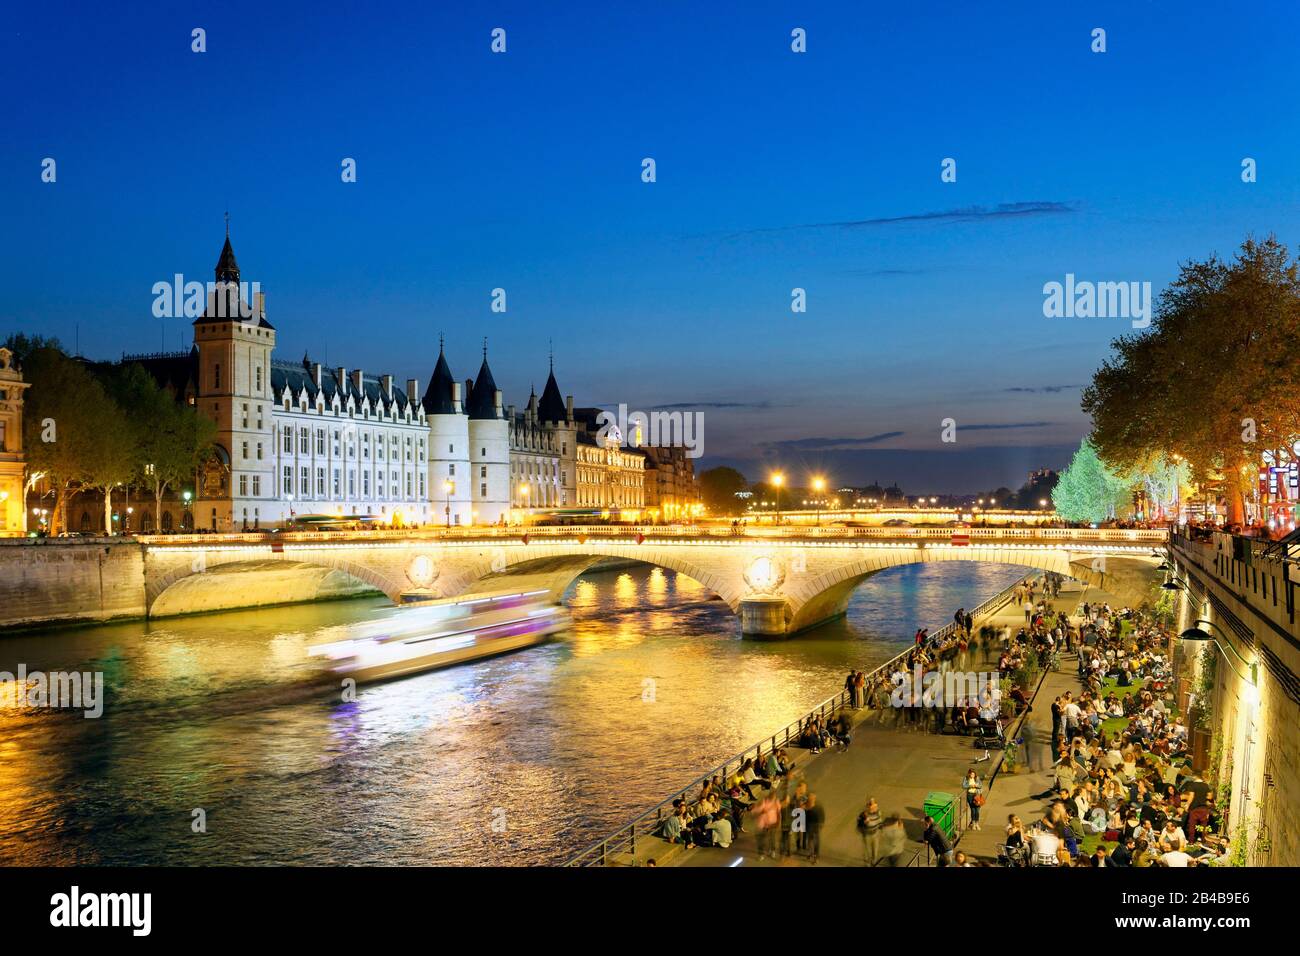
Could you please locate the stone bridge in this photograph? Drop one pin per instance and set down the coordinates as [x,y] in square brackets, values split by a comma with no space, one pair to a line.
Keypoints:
[779,581]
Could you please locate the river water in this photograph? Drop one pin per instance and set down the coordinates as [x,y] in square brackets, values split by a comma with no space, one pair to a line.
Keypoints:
[520,759]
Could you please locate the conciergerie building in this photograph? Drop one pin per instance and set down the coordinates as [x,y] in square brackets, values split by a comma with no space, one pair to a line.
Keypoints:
[296,438]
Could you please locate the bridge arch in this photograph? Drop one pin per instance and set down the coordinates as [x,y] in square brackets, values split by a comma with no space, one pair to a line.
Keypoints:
[820,597]
[559,564]
[219,569]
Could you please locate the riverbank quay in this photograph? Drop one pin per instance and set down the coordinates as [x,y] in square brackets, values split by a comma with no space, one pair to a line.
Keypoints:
[897,768]
[635,844]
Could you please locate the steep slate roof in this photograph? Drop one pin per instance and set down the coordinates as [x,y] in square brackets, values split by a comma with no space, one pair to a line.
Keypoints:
[481,403]
[297,377]
[437,397]
[551,407]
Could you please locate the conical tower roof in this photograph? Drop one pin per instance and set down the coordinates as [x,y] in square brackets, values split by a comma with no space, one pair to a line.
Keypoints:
[482,404]
[437,397]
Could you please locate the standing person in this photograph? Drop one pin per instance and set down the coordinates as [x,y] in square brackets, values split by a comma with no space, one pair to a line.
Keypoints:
[814,817]
[787,823]
[1029,608]
[768,814]
[938,843]
[869,825]
[893,839]
[1029,736]
[974,790]
[860,688]
[850,685]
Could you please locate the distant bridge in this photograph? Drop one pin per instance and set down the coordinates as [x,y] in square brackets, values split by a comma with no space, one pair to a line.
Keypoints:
[778,580]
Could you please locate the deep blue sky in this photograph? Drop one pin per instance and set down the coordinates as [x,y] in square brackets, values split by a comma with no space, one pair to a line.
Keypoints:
[522,171]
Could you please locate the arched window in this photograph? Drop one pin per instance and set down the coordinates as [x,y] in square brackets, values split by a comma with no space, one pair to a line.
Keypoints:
[167,521]
[85,521]
[146,521]
[187,521]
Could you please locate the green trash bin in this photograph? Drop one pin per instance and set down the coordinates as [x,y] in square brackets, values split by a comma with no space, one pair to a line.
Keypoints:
[943,808]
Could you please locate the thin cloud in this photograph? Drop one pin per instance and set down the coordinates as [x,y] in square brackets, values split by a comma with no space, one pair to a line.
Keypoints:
[819,444]
[1041,389]
[1006,210]
[999,427]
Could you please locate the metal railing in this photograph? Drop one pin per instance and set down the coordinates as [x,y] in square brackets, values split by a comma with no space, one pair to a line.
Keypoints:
[625,838]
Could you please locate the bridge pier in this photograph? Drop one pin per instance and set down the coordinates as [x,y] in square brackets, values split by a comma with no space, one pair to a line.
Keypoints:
[763,615]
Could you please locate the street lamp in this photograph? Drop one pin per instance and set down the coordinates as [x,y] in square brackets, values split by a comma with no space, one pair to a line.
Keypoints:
[186,496]
[1197,635]
[448,487]
[819,485]
[778,480]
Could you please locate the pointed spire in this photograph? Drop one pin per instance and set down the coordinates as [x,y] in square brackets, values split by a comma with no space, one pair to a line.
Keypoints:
[551,408]
[482,401]
[437,397]
[227,267]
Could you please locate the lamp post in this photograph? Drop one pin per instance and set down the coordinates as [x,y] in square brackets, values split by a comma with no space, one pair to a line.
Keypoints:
[778,480]
[448,487]
[186,496]
[1198,635]
[819,485]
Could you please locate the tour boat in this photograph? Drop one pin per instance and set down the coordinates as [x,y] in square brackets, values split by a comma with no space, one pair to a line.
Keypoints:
[434,634]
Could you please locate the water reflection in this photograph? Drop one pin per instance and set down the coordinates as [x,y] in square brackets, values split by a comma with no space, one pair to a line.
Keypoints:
[649,687]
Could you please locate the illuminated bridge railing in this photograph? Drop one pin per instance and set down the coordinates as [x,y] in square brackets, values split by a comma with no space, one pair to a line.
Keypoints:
[1084,536]
[643,827]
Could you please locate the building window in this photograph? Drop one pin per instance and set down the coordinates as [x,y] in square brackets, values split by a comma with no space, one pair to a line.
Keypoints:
[320,482]
[482,490]
[320,441]
[216,376]
[257,485]
[451,468]
[245,417]
[288,480]
[365,484]
[304,441]
[336,483]
[352,483]
[408,484]
[258,387]
[482,471]
[259,451]
[244,450]
[305,482]
[243,486]
[288,440]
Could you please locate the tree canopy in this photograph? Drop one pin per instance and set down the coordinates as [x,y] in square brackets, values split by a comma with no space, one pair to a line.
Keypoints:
[718,487]
[1213,381]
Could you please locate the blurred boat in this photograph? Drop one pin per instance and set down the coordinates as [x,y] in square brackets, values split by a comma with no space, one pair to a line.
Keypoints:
[425,636]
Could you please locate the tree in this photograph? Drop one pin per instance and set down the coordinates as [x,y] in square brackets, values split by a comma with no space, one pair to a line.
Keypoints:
[1214,380]
[718,487]
[1088,491]
[65,428]
[171,439]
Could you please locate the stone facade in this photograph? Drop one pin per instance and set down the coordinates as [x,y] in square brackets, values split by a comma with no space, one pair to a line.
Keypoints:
[13,512]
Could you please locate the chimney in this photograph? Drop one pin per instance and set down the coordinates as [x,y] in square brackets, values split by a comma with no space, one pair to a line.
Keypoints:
[259,305]
[315,373]
[496,405]
[412,391]
[358,380]
[342,378]
[568,408]
[469,388]
[386,383]
[510,413]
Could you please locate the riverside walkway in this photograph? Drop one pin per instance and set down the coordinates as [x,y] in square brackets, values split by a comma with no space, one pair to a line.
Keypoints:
[898,768]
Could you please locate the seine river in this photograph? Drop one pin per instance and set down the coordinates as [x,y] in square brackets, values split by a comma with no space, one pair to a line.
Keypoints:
[519,759]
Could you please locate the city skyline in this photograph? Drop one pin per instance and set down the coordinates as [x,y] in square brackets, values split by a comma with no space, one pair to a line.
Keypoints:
[774,171]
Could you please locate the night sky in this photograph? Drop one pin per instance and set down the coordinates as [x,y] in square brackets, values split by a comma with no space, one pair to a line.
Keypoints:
[775,170]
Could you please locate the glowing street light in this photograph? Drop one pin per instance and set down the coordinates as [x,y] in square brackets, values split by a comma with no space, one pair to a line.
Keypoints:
[778,480]
[448,487]
[819,485]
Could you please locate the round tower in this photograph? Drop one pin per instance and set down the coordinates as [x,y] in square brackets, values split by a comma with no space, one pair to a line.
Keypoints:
[450,478]
[489,449]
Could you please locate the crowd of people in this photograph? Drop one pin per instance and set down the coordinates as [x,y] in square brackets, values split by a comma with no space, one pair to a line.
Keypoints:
[1131,785]
[1117,757]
